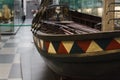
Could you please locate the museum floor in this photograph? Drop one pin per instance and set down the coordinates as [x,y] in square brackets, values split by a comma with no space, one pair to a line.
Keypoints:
[19,59]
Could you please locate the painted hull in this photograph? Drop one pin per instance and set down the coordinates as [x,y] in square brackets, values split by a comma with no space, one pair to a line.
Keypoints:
[78,48]
[85,56]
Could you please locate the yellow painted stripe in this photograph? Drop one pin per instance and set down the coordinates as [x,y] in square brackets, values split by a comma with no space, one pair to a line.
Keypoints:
[94,47]
[51,49]
[68,45]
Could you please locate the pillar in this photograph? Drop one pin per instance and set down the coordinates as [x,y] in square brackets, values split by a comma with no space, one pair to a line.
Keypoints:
[107,24]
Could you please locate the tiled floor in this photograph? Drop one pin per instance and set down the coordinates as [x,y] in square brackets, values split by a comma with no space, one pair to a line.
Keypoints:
[9,60]
[10,53]
[19,59]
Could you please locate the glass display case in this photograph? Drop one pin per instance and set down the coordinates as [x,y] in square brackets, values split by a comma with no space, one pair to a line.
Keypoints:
[9,16]
[93,7]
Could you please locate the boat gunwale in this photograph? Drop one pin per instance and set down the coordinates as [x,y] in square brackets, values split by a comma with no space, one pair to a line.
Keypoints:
[76,58]
[63,37]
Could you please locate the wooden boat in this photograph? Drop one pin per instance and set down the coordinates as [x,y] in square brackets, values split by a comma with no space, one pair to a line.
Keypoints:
[75,47]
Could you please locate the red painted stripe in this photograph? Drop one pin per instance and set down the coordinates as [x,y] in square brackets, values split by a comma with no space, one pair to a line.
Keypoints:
[47,45]
[113,45]
[62,50]
[84,45]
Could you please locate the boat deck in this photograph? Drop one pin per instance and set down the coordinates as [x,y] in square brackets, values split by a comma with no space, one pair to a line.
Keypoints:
[66,27]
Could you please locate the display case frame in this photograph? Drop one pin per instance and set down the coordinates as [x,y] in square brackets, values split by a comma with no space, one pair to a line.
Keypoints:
[11,13]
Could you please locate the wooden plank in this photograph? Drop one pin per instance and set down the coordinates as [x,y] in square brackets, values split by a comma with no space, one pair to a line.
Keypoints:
[83,28]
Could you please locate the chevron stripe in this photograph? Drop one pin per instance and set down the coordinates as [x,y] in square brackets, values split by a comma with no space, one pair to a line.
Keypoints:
[103,43]
[68,45]
[76,49]
[56,45]
[113,45]
[62,49]
[94,47]
[47,43]
[84,45]
[51,49]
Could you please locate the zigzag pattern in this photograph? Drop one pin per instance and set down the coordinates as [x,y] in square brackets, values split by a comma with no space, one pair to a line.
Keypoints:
[79,47]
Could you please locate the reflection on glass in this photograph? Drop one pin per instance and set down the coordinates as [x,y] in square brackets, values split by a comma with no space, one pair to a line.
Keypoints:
[93,7]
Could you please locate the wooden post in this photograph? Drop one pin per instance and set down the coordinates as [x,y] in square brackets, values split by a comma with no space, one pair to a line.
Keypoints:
[107,22]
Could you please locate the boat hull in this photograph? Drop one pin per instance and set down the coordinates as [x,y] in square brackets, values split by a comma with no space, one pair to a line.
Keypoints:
[85,70]
[92,56]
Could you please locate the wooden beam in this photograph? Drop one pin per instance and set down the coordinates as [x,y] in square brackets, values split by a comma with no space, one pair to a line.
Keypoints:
[107,22]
